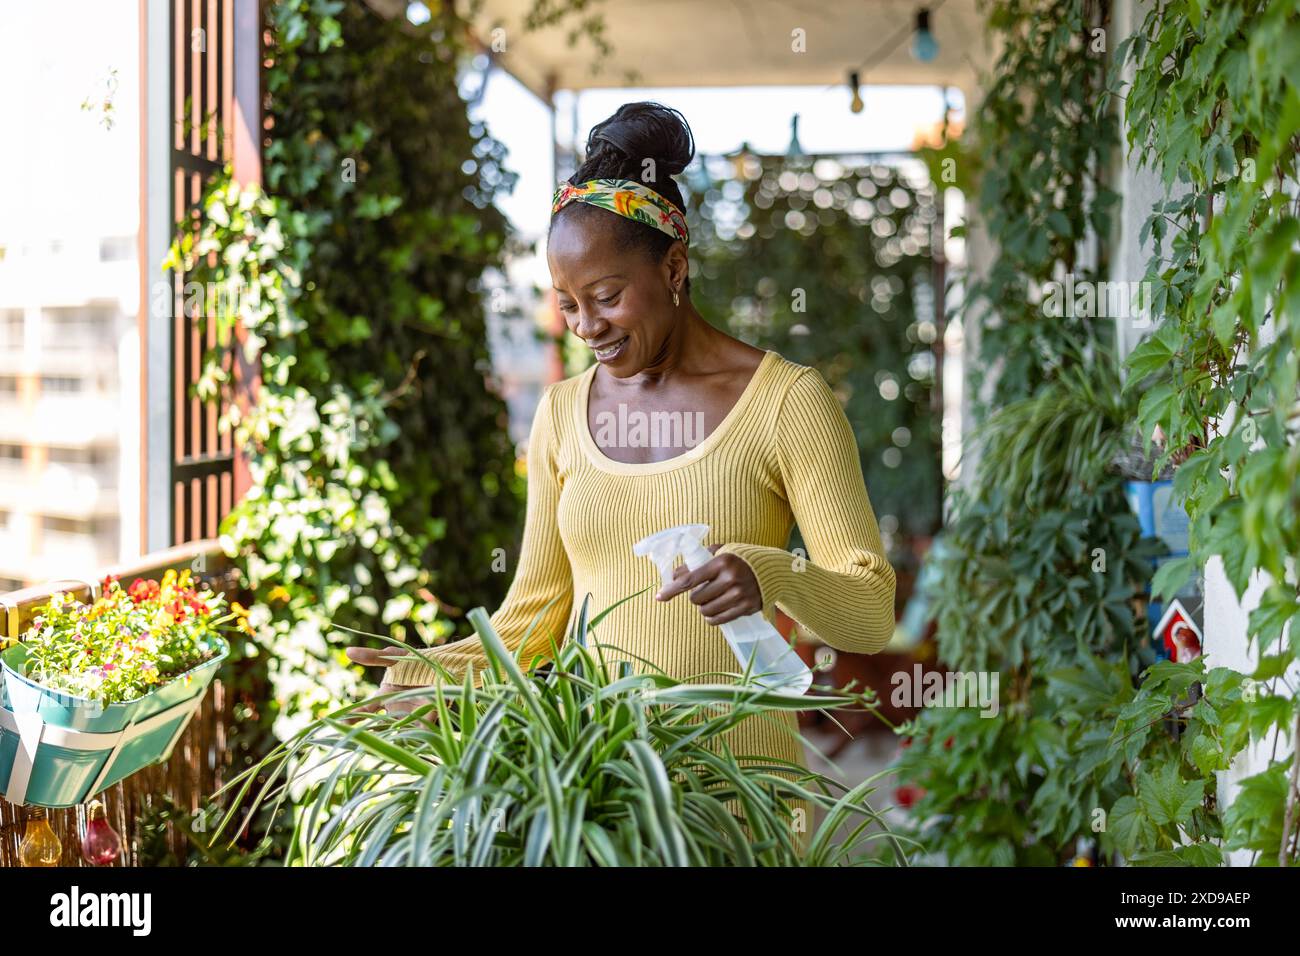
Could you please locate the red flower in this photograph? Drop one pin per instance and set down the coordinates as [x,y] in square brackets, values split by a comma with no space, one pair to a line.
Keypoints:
[143,589]
[947,744]
[907,795]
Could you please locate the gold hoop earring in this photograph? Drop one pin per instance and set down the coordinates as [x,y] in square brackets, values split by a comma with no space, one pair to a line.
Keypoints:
[676,301]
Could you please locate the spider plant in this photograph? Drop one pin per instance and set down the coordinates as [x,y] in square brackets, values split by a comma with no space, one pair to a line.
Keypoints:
[568,764]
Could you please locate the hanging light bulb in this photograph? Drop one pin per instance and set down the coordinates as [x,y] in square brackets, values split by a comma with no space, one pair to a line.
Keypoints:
[795,151]
[101,845]
[740,162]
[924,46]
[856,103]
[41,845]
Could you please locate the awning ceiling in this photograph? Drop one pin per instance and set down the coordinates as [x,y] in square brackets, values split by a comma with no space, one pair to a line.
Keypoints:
[674,43]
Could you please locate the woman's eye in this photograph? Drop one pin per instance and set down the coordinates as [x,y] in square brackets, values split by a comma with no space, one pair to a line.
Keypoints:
[608,300]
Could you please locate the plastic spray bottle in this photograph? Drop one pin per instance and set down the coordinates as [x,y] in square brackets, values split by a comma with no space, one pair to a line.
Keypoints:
[757,644]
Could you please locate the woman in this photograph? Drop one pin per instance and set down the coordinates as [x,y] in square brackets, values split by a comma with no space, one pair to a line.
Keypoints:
[771,447]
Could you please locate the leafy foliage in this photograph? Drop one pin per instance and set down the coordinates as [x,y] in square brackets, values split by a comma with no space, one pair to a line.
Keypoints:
[1042,562]
[1138,742]
[386,493]
[1041,193]
[1212,107]
[384,482]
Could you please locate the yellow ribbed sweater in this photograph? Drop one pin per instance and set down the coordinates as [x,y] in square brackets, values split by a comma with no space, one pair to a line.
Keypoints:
[784,454]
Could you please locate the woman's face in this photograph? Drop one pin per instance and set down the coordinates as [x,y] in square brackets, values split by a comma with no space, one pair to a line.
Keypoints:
[618,302]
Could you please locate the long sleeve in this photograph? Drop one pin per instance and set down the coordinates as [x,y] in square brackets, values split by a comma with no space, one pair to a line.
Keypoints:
[544,577]
[844,591]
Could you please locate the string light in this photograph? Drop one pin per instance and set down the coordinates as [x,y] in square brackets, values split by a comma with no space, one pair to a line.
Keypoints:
[101,845]
[41,846]
[924,46]
[856,103]
[795,151]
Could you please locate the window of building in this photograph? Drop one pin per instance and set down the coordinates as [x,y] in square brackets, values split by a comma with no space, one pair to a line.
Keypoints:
[71,329]
[77,456]
[62,384]
[53,525]
[11,328]
[116,248]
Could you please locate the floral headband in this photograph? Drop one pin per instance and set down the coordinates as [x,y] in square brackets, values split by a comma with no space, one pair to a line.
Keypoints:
[627,198]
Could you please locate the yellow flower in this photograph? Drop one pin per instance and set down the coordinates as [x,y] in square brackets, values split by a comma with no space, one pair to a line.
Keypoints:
[241,617]
[278,593]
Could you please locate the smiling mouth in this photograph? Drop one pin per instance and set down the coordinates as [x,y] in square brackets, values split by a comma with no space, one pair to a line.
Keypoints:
[609,351]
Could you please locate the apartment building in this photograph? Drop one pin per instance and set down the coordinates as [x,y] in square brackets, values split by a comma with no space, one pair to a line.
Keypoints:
[66,305]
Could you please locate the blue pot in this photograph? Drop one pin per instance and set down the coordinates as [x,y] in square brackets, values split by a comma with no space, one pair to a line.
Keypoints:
[1158,514]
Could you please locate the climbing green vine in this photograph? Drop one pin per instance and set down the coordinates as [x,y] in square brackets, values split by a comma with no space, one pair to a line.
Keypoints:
[1213,110]
[385,491]
[1040,194]
[1042,564]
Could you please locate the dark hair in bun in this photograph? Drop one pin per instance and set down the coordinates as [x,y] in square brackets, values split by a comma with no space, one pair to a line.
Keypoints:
[646,142]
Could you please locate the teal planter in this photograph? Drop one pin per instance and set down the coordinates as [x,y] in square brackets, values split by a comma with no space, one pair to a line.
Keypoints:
[57,750]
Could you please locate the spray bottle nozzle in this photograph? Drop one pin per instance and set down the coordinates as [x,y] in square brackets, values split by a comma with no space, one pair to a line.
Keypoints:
[663,547]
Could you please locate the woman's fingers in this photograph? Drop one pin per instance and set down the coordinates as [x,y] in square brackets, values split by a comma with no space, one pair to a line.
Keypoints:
[375,656]
[724,589]
[718,572]
[713,587]
[718,610]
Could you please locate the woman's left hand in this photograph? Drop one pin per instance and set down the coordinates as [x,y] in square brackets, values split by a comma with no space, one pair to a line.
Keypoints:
[725,588]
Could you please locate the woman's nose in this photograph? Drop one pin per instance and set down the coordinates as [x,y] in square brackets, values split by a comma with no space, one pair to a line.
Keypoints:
[588,326]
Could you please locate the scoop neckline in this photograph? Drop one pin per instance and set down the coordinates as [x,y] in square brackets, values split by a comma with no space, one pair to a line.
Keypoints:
[602,461]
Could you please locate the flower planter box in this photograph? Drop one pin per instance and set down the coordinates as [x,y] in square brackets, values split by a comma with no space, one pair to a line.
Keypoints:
[58,750]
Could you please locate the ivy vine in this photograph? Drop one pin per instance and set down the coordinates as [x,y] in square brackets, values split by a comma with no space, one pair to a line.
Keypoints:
[1212,108]
[386,493]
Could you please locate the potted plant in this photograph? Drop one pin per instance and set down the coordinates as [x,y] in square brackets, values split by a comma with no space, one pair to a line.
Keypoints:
[96,691]
[575,763]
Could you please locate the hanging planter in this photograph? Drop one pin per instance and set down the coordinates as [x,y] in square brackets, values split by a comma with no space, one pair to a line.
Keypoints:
[98,691]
